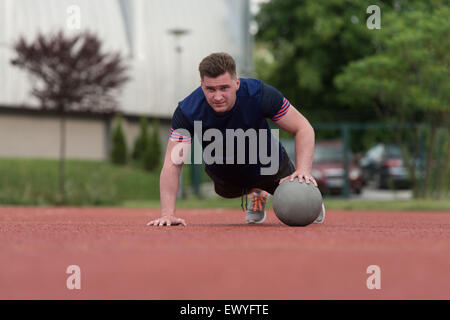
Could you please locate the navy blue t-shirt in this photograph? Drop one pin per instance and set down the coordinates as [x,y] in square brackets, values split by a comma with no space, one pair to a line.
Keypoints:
[255,101]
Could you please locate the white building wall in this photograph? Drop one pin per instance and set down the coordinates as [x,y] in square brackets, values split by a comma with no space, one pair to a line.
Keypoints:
[25,136]
[139,30]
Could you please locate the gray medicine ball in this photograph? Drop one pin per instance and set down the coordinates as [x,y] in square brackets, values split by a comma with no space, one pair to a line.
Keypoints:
[297,203]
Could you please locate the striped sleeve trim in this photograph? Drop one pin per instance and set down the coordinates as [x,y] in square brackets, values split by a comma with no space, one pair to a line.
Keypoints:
[175,136]
[284,109]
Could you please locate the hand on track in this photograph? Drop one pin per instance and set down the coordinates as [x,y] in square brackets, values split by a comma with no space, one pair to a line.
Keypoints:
[167,221]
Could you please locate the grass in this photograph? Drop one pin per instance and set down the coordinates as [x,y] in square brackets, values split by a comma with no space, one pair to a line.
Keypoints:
[35,182]
[391,205]
[99,183]
[330,204]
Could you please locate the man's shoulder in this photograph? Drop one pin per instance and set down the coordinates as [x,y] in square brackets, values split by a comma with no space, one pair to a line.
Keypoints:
[195,97]
[250,87]
[192,104]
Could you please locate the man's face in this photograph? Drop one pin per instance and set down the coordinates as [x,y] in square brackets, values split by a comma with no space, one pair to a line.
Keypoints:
[220,92]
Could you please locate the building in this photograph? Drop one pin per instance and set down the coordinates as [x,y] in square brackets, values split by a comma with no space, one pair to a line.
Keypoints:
[140,30]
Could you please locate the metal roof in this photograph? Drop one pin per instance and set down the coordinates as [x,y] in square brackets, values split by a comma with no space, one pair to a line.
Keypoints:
[139,29]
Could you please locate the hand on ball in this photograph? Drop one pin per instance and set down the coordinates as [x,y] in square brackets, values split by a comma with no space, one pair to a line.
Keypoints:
[301,176]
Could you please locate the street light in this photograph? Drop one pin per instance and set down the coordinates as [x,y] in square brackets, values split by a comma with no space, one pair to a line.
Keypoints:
[178,33]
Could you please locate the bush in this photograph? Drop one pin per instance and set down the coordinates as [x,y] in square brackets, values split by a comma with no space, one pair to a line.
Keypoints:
[140,145]
[152,154]
[119,147]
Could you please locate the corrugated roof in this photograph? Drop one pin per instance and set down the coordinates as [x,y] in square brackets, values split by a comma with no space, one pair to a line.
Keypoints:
[139,29]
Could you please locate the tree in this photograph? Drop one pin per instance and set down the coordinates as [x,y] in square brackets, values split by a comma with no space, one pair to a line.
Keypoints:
[301,46]
[310,42]
[152,154]
[407,80]
[73,74]
[119,146]
[141,142]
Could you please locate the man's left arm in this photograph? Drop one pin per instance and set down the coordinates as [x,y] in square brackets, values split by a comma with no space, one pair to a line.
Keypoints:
[295,123]
[279,110]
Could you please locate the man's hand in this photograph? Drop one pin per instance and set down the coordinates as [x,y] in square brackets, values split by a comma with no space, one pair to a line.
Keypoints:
[168,220]
[301,175]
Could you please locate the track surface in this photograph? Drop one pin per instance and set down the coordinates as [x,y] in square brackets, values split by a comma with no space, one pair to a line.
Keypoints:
[217,256]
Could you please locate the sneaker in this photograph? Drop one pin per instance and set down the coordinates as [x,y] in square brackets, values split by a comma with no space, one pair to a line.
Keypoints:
[256,212]
[321,217]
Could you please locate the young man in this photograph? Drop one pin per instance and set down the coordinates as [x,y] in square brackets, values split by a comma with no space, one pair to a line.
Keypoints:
[225,109]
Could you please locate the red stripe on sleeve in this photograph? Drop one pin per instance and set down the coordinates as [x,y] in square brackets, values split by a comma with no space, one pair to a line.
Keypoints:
[283,110]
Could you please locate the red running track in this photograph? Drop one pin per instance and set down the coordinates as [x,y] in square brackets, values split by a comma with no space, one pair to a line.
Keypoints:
[217,256]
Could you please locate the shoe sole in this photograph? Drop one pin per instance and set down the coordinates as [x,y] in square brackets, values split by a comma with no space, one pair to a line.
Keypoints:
[259,221]
[323,217]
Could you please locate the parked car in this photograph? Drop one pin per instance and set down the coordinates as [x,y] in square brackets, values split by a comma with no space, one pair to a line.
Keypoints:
[328,167]
[383,165]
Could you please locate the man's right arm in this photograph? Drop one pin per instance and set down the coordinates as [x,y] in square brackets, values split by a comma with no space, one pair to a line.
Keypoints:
[169,179]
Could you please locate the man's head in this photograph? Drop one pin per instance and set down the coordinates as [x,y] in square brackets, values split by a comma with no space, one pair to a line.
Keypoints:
[219,81]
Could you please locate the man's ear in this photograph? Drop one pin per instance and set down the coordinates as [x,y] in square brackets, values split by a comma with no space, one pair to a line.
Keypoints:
[238,83]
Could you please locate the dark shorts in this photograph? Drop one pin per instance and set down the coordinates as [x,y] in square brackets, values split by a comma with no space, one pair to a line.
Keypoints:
[227,190]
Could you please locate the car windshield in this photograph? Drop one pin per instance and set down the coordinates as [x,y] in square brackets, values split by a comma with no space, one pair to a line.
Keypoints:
[393,152]
[329,153]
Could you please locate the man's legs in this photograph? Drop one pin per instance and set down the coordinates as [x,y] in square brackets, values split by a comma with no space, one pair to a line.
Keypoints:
[262,192]
[258,194]
[256,212]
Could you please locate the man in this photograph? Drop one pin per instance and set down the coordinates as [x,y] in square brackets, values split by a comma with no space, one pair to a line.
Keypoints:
[227,108]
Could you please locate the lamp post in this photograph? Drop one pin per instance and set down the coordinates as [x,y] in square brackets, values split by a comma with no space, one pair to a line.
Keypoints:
[178,33]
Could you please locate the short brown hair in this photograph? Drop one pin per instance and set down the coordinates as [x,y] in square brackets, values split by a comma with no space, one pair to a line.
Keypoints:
[217,64]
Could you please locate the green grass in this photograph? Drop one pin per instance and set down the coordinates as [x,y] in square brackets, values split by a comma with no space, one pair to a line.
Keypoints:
[394,205]
[35,182]
[190,203]
[330,204]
